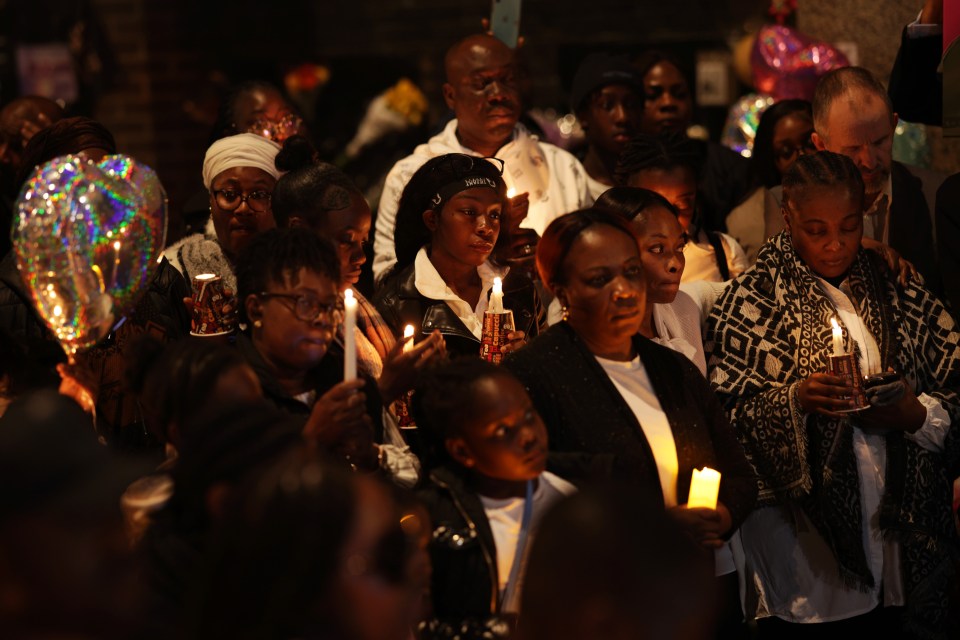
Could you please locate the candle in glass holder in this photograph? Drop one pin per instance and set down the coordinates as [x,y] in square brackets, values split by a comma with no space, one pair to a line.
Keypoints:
[837,338]
[349,336]
[704,488]
[408,338]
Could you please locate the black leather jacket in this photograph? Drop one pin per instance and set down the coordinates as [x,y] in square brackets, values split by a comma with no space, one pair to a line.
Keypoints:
[400,304]
[464,583]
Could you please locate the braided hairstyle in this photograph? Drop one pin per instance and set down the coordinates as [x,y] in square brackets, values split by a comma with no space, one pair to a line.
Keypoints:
[819,170]
[277,254]
[665,151]
[226,117]
[311,191]
[632,203]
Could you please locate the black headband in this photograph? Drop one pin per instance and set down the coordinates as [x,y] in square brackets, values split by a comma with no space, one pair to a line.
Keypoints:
[462,184]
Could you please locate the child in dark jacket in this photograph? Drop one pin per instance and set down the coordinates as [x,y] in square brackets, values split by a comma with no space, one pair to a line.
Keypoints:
[486,492]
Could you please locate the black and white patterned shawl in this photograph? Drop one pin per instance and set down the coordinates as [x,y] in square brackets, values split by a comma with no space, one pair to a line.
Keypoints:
[768,332]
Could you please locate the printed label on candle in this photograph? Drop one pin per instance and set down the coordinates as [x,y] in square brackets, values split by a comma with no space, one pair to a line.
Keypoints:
[704,489]
[214,312]
[846,367]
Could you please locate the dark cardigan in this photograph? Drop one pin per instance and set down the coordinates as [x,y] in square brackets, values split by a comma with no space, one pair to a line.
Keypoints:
[585,413]
[323,377]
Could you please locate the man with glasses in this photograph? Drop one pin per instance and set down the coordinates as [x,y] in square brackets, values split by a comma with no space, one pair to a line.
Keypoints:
[483,90]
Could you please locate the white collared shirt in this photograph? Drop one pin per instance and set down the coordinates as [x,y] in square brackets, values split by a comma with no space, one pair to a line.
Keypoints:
[431,285]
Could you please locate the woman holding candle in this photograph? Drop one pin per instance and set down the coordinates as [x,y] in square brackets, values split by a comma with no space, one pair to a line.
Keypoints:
[288,287]
[323,199]
[856,533]
[642,412]
[448,224]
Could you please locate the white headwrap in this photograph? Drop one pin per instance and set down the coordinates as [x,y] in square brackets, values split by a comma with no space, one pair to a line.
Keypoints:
[241,150]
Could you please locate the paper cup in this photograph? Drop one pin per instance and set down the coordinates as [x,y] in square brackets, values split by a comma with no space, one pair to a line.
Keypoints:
[214,312]
[846,367]
[496,326]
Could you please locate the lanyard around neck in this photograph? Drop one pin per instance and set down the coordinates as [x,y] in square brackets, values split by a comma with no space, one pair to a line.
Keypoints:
[509,593]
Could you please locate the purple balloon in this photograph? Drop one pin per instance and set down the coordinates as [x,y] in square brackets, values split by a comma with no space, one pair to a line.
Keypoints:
[787,64]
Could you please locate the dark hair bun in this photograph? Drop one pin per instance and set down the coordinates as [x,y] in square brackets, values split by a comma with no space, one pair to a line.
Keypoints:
[297,152]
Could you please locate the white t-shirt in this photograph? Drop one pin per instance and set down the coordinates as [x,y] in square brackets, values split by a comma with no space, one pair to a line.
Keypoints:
[701,259]
[506,516]
[633,383]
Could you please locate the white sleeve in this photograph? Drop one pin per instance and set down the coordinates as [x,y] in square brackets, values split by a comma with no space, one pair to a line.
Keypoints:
[917,29]
[736,256]
[397,458]
[934,430]
[384,252]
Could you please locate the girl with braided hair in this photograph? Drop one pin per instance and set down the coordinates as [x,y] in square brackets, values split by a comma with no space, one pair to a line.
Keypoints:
[854,533]
[669,164]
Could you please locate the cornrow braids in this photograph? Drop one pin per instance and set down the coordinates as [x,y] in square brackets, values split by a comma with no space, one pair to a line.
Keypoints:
[821,169]
[664,151]
[278,253]
[311,192]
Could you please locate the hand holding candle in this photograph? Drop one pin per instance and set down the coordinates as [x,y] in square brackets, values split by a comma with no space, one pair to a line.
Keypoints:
[704,489]
[349,336]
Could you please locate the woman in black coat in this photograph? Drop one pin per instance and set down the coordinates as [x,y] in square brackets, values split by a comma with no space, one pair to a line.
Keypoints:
[642,412]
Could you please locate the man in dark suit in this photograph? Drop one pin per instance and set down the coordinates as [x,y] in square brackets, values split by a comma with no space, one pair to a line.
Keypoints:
[916,86]
[948,240]
[852,115]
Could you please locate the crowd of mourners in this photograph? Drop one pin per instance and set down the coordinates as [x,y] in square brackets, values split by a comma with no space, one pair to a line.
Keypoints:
[673,309]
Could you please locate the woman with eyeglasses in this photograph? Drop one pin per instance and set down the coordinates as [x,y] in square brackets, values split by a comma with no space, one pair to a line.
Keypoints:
[448,224]
[783,135]
[288,286]
[239,172]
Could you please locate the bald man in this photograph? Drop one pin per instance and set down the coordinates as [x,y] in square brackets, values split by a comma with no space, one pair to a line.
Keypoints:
[482,90]
[853,115]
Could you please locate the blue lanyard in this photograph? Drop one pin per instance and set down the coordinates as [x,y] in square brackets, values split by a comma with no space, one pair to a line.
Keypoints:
[511,588]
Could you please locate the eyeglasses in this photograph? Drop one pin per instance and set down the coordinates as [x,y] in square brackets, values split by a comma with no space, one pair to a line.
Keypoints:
[461,163]
[309,308]
[229,200]
[277,130]
[788,152]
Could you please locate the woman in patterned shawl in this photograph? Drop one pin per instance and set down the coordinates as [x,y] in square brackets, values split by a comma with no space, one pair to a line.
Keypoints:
[855,530]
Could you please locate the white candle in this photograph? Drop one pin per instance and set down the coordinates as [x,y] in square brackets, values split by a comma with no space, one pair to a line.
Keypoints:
[496,297]
[408,338]
[837,338]
[349,336]
[704,488]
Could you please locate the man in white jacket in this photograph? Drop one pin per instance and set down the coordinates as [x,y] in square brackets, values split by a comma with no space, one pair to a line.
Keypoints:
[482,89]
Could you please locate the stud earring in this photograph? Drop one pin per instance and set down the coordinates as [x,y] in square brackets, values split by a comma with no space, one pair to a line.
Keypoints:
[566,313]
[257,324]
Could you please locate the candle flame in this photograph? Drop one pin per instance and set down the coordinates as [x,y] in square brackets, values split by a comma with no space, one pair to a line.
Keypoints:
[511,192]
[836,325]
[497,285]
[408,331]
[348,294]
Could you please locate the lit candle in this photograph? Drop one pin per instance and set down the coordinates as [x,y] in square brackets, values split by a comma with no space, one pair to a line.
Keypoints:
[349,336]
[496,297]
[704,487]
[511,192]
[837,338]
[408,338]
